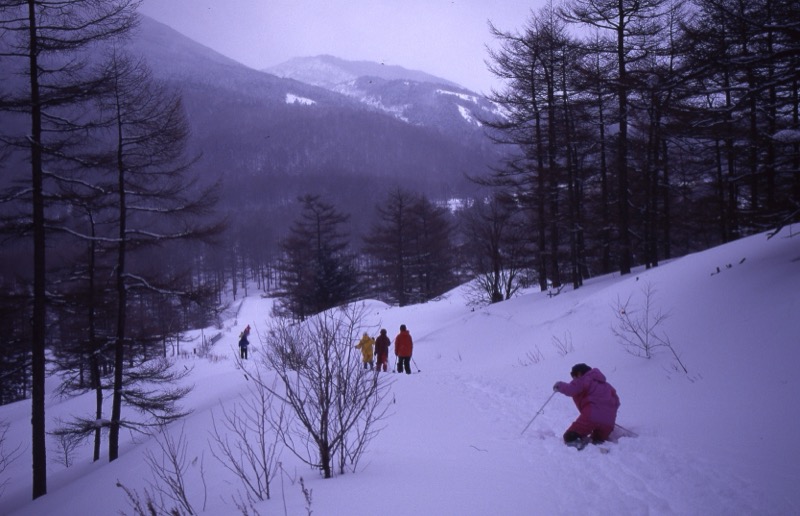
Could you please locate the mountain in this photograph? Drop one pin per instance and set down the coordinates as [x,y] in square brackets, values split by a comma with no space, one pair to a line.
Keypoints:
[415,97]
[273,138]
[716,440]
[270,139]
[332,73]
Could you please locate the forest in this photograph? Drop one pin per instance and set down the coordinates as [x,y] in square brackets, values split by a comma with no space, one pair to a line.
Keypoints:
[633,132]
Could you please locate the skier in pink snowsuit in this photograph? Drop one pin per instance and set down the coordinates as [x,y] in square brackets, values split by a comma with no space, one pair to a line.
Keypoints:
[597,402]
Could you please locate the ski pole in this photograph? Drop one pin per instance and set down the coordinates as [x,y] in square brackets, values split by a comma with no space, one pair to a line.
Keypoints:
[415,365]
[538,412]
[630,432]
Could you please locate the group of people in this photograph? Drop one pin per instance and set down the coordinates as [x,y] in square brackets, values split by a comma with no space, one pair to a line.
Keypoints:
[370,348]
[379,347]
[597,401]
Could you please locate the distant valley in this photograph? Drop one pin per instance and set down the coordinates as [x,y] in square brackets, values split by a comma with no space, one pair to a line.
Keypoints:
[349,130]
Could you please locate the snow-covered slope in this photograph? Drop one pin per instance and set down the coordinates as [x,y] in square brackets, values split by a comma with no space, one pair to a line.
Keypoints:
[332,72]
[412,96]
[717,440]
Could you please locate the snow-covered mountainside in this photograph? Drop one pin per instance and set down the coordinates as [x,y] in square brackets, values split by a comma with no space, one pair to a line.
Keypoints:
[332,72]
[713,440]
[278,138]
[409,95]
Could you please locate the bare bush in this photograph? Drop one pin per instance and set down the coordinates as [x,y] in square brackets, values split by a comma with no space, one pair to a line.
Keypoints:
[6,456]
[167,492]
[67,439]
[306,496]
[639,327]
[248,447]
[333,402]
[563,346]
[532,357]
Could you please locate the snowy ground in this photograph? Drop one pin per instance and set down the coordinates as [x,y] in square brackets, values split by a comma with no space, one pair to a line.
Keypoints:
[719,440]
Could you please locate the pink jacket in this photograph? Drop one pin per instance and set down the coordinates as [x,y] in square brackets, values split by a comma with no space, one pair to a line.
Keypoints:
[595,398]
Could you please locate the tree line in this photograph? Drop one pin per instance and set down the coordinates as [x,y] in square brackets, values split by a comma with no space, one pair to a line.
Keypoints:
[646,129]
[636,131]
[107,195]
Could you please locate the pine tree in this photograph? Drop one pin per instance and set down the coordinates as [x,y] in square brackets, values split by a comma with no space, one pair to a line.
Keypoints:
[317,272]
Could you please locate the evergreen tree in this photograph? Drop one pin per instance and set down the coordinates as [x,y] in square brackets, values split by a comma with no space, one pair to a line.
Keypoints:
[317,272]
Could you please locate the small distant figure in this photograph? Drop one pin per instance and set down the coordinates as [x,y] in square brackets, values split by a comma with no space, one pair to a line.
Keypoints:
[597,402]
[243,343]
[382,344]
[367,347]
[403,348]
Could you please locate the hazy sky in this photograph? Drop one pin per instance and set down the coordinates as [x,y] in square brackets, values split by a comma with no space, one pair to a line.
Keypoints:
[442,37]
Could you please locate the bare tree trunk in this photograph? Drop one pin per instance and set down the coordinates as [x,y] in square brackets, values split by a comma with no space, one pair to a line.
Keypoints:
[38,441]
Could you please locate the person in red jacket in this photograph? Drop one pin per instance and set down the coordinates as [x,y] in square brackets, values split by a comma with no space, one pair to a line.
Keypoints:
[403,347]
[382,344]
[597,402]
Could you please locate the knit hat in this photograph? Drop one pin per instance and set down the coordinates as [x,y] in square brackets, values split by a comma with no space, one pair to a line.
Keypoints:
[579,369]
[383,332]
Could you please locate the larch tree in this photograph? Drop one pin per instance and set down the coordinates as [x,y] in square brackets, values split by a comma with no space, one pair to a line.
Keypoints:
[631,24]
[158,203]
[49,42]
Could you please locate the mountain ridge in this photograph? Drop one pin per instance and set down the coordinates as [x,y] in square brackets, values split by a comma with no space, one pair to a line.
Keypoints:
[412,96]
[273,139]
[310,68]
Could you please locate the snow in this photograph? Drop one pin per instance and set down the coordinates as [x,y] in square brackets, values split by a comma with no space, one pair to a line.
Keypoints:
[294,99]
[719,440]
[397,111]
[463,96]
[787,136]
[466,114]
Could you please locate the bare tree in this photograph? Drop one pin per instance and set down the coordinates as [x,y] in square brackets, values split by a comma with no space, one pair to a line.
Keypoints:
[48,42]
[333,403]
[67,442]
[536,65]
[497,243]
[247,443]
[639,328]
[157,202]
[632,24]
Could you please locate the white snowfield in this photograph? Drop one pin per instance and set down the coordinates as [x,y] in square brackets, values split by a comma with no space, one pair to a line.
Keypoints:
[721,439]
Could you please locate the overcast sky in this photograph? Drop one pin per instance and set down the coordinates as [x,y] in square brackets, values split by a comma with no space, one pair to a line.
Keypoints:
[446,38]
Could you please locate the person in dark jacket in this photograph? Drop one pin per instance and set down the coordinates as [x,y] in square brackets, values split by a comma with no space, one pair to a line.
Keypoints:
[403,347]
[243,343]
[382,344]
[597,402]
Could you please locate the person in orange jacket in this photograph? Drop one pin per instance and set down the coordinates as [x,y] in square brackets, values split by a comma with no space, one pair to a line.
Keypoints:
[403,348]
